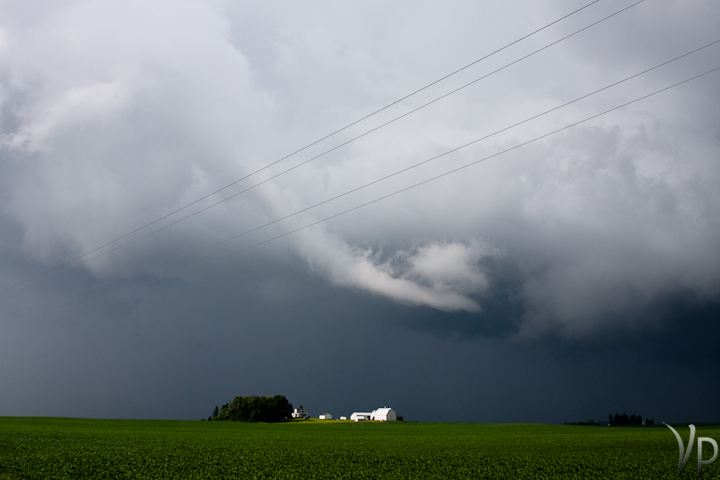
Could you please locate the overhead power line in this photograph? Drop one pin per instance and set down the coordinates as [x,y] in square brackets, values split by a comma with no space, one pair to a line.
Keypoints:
[405,170]
[52,272]
[236,252]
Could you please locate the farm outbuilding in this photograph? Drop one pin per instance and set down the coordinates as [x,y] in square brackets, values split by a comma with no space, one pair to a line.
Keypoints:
[384,414]
[325,416]
[359,416]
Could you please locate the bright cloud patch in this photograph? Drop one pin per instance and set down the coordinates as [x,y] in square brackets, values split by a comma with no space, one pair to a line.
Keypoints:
[442,275]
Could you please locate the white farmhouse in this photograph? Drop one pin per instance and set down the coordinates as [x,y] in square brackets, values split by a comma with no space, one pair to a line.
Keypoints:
[359,416]
[325,416]
[300,413]
[384,414]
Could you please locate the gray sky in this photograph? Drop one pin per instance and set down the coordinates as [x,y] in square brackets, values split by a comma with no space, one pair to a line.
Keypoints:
[572,277]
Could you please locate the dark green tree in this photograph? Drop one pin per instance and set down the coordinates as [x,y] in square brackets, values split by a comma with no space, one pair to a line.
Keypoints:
[256,409]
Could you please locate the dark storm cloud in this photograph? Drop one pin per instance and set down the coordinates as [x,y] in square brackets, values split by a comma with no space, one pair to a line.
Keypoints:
[585,262]
[163,356]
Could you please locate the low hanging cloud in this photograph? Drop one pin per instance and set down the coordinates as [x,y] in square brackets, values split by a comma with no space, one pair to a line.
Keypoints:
[444,276]
[116,113]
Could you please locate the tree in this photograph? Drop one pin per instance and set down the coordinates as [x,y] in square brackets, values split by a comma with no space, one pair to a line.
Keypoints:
[216,412]
[256,409]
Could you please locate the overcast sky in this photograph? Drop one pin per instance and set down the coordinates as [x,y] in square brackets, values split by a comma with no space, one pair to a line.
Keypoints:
[569,278]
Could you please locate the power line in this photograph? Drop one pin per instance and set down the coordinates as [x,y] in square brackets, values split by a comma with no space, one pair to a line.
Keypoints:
[395,173]
[49,274]
[410,187]
[304,148]
[399,172]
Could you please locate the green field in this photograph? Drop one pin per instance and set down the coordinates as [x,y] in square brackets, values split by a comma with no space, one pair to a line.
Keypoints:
[97,449]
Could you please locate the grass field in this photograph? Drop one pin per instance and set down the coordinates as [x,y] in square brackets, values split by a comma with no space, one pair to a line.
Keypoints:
[98,449]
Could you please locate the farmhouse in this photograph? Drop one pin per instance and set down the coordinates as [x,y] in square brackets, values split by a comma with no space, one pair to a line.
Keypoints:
[384,414]
[300,412]
[359,416]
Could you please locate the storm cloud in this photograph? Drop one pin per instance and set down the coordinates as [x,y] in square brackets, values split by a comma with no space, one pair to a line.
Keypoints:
[115,114]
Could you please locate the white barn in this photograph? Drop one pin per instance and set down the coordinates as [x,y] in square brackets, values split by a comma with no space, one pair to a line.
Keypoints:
[359,416]
[384,414]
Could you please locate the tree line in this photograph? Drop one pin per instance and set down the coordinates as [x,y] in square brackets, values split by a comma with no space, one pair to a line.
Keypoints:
[631,420]
[618,420]
[254,409]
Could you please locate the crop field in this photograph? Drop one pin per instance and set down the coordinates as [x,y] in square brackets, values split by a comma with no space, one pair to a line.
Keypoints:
[99,449]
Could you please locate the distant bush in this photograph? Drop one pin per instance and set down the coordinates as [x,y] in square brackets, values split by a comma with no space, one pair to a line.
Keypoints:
[255,409]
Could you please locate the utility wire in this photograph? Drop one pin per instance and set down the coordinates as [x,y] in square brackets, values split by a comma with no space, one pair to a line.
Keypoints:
[48,273]
[304,148]
[388,176]
[397,173]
